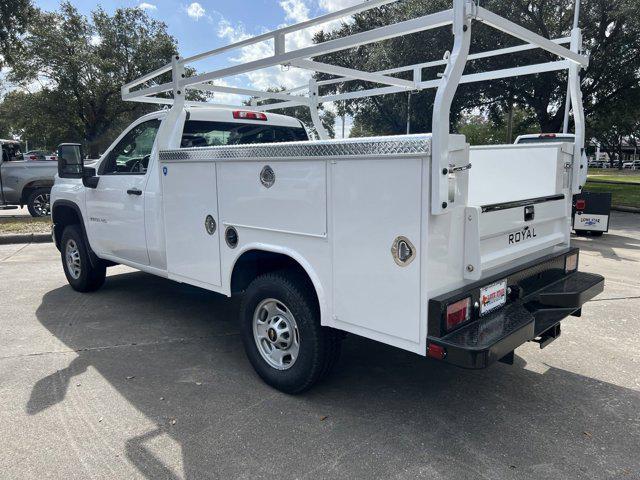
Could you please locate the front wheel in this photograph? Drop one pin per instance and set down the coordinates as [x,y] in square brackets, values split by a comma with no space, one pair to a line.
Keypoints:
[282,335]
[80,273]
[38,202]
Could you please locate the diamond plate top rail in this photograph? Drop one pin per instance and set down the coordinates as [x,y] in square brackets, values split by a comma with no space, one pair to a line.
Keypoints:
[376,146]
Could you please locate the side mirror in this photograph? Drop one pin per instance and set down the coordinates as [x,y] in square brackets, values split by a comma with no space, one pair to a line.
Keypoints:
[70,164]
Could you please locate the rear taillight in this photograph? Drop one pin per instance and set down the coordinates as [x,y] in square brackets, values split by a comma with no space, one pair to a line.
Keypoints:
[581,204]
[32,157]
[244,115]
[458,313]
[436,351]
[571,263]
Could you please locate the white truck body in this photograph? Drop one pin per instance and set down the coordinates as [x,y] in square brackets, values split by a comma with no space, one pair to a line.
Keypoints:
[355,217]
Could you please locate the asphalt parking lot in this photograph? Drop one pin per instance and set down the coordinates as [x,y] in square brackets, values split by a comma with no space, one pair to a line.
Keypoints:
[147,379]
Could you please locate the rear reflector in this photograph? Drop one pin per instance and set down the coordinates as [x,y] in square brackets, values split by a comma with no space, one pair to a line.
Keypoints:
[571,263]
[581,204]
[243,115]
[436,351]
[458,313]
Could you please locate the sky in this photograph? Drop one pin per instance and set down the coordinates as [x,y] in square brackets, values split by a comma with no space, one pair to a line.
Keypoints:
[207,24]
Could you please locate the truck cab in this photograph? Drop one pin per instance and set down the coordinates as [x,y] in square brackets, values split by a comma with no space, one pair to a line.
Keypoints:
[122,213]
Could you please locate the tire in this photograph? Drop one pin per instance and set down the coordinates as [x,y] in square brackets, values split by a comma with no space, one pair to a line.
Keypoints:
[38,202]
[80,273]
[281,303]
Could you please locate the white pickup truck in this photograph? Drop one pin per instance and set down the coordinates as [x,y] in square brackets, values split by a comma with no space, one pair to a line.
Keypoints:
[459,254]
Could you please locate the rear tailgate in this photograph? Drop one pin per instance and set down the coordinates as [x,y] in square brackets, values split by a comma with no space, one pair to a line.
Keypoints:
[519,203]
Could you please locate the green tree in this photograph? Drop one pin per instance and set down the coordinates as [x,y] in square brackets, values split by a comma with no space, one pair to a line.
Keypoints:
[83,63]
[492,127]
[611,32]
[36,117]
[14,18]
[617,124]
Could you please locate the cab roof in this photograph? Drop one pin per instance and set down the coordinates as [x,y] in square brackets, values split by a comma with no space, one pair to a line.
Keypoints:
[223,114]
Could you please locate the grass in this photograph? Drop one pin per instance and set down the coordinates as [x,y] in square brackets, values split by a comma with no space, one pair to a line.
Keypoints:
[21,225]
[612,175]
[627,195]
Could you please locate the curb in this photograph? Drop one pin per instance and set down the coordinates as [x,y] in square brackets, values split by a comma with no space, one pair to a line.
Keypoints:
[613,182]
[25,238]
[622,208]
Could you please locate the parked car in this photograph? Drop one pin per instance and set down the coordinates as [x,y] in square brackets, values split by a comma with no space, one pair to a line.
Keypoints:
[25,182]
[633,165]
[40,155]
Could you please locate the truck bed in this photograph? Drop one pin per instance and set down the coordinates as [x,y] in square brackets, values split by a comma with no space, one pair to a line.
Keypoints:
[338,206]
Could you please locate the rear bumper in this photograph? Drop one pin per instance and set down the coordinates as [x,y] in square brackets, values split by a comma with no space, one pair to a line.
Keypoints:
[541,296]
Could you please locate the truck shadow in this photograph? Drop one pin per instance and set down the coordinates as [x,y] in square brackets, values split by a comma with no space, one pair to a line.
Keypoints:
[173,353]
[610,246]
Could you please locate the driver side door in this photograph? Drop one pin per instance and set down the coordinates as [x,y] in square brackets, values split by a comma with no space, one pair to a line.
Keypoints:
[115,209]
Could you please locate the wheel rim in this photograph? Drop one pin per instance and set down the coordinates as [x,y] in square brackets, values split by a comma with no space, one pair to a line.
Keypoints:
[72,254]
[41,204]
[276,334]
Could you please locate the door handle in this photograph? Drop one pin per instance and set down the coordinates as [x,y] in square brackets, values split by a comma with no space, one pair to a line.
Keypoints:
[134,191]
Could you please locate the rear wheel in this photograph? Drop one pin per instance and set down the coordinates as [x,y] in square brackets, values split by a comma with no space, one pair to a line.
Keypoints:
[80,273]
[38,202]
[282,335]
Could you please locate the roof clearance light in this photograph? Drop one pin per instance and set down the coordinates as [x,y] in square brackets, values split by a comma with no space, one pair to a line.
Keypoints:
[244,115]
[547,135]
[458,313]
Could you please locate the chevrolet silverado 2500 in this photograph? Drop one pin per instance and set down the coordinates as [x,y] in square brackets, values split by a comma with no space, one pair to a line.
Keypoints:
[421,242]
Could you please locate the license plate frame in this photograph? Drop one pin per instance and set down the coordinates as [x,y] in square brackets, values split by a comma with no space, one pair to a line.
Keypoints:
[493,296]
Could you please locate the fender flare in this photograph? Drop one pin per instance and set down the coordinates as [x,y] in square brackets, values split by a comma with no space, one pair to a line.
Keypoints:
[298,258]
[57,235]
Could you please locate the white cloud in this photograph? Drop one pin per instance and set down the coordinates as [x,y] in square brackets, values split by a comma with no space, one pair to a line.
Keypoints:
[196,11]
[95,40]
[147,6]
[333,5]
[295,10]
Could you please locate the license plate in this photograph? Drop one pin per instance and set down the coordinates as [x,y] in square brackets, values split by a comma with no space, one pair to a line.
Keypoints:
[493,296]
[588,221]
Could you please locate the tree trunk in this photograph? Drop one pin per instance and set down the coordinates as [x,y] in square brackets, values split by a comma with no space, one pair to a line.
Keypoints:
[509,138]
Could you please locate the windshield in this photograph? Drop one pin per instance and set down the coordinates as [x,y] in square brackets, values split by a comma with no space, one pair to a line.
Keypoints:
[556,139]
[210,134]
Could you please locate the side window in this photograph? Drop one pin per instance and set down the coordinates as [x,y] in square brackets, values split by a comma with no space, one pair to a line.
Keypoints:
[131,154]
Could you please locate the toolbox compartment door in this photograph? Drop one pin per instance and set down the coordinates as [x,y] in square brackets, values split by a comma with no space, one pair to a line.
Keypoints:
[373,203]
[189,197]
